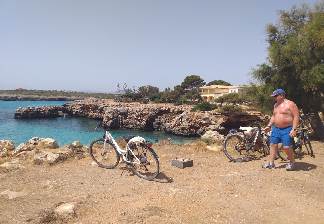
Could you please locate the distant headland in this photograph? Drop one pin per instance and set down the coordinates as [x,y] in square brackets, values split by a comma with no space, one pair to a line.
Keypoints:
[49,95]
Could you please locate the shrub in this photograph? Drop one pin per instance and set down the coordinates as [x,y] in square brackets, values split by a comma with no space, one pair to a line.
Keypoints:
[204,106]
[230,109]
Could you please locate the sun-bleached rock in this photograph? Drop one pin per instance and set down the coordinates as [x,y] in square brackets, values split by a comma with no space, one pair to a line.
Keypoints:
[174,119]
[76,144]
[40,158]
[11,165]
[212,137]
[13,194]
[37,143]
[49,158]
[6,148]
[66,210]
[48,143]
[53,158]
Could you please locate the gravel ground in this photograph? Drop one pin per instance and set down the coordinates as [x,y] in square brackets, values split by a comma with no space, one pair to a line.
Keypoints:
[212,191]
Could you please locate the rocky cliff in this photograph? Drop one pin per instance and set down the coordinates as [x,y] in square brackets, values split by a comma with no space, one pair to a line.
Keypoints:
[179,120]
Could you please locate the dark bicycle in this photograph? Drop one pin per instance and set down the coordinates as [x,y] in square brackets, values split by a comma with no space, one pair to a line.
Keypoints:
[300,141]
[241,145]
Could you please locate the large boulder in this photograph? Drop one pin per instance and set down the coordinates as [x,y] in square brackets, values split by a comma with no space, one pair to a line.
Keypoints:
[77,149]
[37,143]
[47,143]
[212,137]
[50,157]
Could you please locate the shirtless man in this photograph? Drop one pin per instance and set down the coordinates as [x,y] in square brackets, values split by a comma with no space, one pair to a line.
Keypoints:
[283,124]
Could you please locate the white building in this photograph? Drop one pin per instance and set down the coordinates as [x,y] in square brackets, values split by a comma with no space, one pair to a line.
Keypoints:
[209,93]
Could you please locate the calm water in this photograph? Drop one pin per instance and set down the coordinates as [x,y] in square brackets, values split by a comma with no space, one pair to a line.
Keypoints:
[63,130]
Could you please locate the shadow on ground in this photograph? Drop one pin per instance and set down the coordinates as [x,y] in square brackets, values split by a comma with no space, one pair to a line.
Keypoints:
[162,178]
[301,166]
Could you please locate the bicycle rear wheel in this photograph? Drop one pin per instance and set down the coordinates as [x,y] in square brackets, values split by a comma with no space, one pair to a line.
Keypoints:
[104,154]
[145,162]
[234,147]
[282,154]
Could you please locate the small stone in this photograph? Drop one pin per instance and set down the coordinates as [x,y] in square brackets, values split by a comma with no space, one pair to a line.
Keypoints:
[13,194]
[66,209]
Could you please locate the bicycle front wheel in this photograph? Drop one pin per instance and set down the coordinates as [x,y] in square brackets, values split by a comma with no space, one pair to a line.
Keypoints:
[308,147]
[104,154]
[234,147]
[145,162]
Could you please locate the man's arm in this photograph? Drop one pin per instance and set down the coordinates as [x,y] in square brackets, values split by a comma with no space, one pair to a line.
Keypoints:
[295,112]
[271,121]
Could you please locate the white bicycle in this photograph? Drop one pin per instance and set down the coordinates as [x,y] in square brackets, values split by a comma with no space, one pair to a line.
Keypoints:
[138,155]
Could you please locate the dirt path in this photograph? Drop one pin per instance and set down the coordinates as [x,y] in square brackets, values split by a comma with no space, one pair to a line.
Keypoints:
[213,191]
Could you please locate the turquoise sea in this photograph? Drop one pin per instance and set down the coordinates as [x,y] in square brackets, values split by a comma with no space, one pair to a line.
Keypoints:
[63,130]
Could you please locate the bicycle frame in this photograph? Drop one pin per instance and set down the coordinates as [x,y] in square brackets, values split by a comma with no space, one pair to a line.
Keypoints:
[123,152]
[247,141]
[301,136]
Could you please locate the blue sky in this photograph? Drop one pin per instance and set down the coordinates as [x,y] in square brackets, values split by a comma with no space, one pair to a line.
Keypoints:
[94,45]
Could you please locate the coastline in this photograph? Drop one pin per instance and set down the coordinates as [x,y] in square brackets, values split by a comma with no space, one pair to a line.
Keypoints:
[178,120]
[36,98]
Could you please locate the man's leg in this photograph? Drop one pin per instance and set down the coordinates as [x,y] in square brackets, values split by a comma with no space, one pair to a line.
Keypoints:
[273,153]
[290,154]
[287,143]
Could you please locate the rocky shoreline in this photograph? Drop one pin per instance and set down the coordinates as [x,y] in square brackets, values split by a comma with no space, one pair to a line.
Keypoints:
[35,98]
[178,120]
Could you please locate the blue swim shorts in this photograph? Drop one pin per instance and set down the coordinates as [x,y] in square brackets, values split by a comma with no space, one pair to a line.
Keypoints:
[281,135]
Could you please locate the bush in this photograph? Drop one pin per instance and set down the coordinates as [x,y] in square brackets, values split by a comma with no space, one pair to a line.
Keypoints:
[204,106]
[230,109]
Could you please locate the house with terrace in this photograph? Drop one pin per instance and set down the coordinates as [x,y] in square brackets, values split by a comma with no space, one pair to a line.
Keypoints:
[212,92]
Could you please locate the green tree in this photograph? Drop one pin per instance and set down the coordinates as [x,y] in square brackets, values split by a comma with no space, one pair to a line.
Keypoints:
[231,98]
[219,82]
[148,91]
[192,82]
[296,59]
[190,89]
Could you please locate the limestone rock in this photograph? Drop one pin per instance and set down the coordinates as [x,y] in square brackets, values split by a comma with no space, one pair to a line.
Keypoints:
[48,158]
[24,147]
[13,194]
[40,158]
[65,210]
[37,143]
[212,137]
[53,158]
[179,120]
[6,148]
[76,144]
[11,165]
[47,143]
